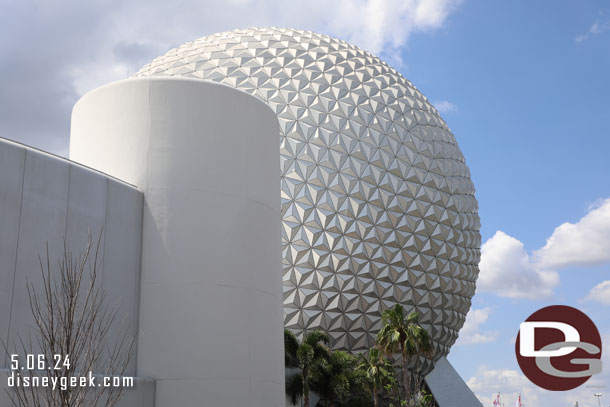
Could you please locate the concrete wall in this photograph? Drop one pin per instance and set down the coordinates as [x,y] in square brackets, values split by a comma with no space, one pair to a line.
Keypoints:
[206,157]
[44,198]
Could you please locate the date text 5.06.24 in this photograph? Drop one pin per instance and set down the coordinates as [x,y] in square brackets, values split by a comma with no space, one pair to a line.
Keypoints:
[40,362]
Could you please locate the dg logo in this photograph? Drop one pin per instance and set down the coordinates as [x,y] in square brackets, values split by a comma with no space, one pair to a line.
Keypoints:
[559,348]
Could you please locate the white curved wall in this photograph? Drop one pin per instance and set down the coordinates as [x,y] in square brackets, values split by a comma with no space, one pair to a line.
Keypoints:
[206,157]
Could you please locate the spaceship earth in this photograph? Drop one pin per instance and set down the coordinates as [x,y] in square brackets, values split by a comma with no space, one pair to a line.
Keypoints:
[378,207]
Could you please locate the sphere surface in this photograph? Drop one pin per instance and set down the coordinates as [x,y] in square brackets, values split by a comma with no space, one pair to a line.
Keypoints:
[377,203]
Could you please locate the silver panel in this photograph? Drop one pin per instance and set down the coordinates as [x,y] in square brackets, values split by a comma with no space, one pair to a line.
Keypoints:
[448,388]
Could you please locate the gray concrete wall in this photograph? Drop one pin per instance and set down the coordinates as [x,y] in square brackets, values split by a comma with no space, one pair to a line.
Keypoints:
[44,198]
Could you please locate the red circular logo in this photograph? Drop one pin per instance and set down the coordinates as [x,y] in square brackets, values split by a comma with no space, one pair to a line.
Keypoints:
[558,348]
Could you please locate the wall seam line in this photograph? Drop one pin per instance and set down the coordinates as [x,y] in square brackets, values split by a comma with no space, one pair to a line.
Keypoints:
[104,231]
[138,286]
[145,189]
[67,207]
[144,195]
[10,315]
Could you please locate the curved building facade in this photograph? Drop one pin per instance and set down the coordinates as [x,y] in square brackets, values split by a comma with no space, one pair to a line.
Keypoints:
[378,207]
[205,157]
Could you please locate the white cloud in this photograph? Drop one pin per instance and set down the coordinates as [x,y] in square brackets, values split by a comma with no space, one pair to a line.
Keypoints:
[507,270]
[586,242]
[487,383]
[471,332]
[596,28]
[444,106]
[600,293]
[56,51]
[509,383]
[376,25]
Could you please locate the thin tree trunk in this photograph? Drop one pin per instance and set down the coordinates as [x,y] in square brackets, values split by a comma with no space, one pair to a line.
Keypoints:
[305,391]
[405,373]
[375,402]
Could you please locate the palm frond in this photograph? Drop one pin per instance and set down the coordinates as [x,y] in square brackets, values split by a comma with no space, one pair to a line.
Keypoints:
[294,387]
[291,345]
[315,337]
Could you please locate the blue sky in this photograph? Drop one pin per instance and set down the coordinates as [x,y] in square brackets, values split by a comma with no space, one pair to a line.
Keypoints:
[524,85]
[532,107]
[528,87]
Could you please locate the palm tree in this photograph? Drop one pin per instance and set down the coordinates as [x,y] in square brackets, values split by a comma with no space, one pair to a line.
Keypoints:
[405,336]
[304,356]
[378,371]
[333,379]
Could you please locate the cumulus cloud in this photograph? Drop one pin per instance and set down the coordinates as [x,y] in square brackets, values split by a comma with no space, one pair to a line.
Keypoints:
[444,106]
[585,242]
[56,51]
[509,383]
[508,271]
[38,43]
[600,293]
[487,383]
[376,25]
[471,332]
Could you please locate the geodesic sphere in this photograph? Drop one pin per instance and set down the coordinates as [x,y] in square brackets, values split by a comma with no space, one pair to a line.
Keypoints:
[377,203]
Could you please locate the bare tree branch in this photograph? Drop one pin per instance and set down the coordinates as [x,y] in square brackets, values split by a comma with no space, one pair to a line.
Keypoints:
[73,319]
